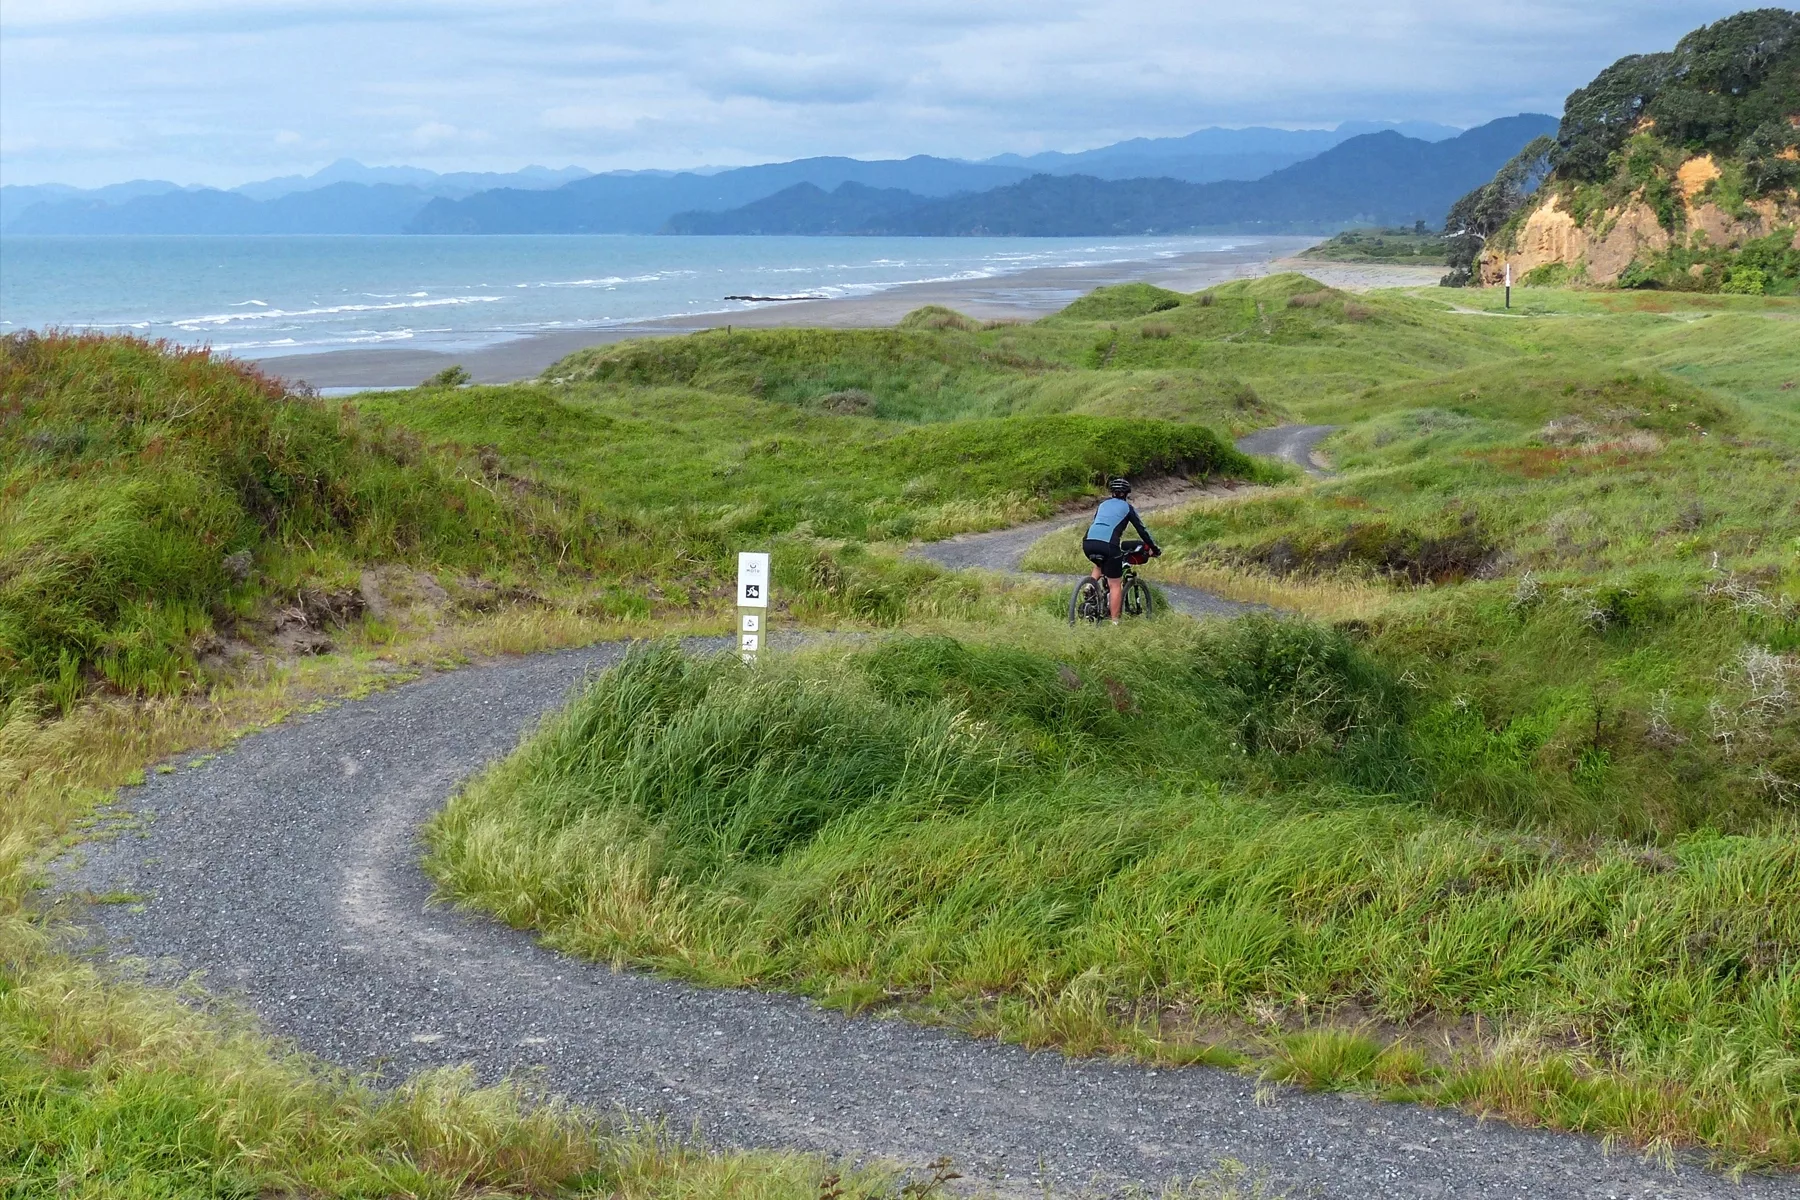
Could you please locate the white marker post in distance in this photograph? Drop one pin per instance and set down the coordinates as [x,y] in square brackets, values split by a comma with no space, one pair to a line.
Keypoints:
[752,602]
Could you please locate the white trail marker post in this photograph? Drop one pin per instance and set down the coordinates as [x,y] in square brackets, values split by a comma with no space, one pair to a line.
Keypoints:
[752,603]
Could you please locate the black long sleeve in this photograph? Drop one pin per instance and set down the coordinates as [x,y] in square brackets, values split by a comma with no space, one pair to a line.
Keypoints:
[1138,524]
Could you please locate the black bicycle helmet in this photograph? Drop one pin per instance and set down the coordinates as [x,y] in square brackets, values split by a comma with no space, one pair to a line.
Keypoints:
[1119,486]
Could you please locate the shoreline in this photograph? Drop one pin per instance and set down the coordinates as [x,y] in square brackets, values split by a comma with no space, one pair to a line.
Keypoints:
[1018,296]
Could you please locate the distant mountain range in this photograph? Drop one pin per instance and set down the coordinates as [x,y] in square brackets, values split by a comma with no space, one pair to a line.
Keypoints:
[1209,155]
[1136,185]
[158,206]
[807,208]
[642,204]
[456,183]
[1376,178]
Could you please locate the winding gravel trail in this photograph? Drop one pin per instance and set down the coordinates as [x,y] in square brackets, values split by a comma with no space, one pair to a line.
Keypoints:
[286,872]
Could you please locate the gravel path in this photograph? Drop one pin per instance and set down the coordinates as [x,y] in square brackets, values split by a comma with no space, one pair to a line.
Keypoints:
[286,871]
[1297,444]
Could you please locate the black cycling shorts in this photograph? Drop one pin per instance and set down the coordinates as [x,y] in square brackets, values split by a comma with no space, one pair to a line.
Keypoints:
[1106,556]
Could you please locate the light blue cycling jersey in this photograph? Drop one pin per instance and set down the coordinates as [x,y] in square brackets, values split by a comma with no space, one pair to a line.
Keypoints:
[1112,518]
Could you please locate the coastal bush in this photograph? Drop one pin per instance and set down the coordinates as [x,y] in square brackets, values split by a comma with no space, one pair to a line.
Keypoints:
[1484,214]
[1402,246]
[1726,98]
[1761,266]
[454,376]
[1720,84]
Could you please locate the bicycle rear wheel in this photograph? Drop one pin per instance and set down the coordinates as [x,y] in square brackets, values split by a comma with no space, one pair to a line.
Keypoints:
[1087,602]
[1137,598]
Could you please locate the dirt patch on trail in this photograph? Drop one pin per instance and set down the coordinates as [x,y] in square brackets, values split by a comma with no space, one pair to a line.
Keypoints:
[391,592]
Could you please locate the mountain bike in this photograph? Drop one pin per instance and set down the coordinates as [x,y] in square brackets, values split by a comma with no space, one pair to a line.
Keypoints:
[1090,601]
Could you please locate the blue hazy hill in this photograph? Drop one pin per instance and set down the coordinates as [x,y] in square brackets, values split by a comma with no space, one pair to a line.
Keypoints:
[644,204]
[1374,178]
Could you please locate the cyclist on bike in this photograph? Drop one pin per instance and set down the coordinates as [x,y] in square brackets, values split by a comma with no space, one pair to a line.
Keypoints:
[1102,542]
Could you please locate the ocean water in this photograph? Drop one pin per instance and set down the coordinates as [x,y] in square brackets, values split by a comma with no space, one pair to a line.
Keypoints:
[267,296]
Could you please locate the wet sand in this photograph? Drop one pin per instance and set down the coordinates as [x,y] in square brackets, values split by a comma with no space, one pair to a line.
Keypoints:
[1022,296]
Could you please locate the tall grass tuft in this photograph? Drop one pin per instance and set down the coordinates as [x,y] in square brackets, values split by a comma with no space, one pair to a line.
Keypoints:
[1215,832]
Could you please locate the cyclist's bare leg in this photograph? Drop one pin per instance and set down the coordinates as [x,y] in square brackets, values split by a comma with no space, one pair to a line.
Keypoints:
[1117,589]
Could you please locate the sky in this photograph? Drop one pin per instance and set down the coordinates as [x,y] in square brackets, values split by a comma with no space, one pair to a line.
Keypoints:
[221,92]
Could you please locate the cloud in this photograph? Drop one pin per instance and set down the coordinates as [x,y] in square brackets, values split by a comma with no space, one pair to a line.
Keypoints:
[795,78]
[434,133]
[221,91]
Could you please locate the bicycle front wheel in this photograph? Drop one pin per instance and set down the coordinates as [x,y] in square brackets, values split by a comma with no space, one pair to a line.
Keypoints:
[1137,598]
[1087,602]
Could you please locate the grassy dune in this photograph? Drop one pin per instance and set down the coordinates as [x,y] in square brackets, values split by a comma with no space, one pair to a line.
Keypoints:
[156,502]
[153,497]
[1503,817]
[718,466]
[1517,836]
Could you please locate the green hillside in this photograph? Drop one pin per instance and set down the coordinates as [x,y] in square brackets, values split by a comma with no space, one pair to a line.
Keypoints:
[158,505]
[154,498]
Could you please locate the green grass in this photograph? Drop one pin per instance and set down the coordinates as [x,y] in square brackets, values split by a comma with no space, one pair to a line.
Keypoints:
[708,472]
[1515,833]
[1517,837]
[719,466]
[1180,843]
[134,474]
[110,1087]
[111,1090]
[135,477]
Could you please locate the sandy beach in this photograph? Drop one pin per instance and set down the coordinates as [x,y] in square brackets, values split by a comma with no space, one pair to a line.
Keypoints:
[1024,295]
